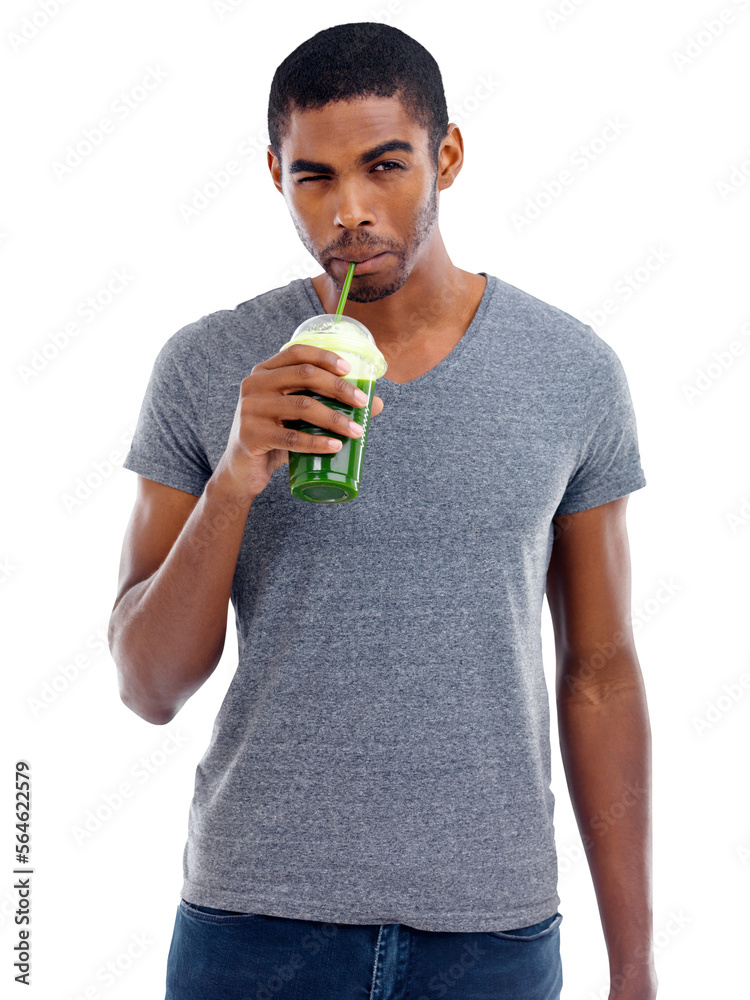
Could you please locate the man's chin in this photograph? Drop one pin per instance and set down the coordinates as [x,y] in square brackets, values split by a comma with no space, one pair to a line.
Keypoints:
[373,292]
[373,287]
[369,288]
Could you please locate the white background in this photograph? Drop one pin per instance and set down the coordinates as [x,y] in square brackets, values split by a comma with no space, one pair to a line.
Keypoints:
[529,91]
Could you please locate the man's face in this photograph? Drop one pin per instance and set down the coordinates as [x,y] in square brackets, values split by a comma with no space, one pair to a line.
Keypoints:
[352,195]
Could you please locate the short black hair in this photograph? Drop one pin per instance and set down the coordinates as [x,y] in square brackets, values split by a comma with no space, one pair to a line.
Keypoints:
[361,59]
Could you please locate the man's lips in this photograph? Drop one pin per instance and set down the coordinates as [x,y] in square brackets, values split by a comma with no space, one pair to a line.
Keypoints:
[365,263]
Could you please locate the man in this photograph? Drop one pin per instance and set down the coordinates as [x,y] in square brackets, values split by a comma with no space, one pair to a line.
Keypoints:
[373,814]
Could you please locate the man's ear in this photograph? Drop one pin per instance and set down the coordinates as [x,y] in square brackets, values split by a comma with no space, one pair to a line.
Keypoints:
[450,157]
[274,165]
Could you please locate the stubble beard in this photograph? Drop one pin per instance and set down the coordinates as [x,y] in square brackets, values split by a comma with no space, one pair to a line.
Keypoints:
[366,288]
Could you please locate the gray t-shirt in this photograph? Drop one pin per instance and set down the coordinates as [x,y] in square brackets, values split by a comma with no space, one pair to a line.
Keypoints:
[382,754]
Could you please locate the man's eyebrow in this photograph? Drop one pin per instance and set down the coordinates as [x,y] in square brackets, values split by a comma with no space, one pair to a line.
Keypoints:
[312,167]
[385,147]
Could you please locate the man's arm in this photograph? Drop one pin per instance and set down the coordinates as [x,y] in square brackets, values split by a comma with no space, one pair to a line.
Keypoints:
[168,625]
[605,735]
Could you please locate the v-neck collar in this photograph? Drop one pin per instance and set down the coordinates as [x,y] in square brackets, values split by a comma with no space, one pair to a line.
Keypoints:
[450,359]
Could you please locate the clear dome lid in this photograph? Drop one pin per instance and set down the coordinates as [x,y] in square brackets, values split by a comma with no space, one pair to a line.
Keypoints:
[341,334]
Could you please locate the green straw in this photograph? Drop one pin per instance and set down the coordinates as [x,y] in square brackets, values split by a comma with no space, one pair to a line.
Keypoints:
[345,290]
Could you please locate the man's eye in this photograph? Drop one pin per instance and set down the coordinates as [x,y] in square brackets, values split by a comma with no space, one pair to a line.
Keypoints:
[387,167]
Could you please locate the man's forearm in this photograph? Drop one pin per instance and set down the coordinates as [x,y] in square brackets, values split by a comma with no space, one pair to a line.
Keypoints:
[606,752]
[167,632]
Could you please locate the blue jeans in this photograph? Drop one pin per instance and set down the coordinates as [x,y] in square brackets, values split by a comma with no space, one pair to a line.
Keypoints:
[220,955]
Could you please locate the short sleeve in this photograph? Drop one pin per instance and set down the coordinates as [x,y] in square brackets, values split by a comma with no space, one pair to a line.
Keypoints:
[168,443]
[610,465]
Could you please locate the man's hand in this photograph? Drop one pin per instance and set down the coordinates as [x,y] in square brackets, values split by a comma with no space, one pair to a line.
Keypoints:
[259,441]
[634,985]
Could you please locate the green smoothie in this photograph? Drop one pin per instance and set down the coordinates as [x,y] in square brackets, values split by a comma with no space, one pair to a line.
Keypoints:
[335,477]
[325,478]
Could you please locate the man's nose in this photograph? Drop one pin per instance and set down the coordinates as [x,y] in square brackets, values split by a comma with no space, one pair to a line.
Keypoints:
[352,207]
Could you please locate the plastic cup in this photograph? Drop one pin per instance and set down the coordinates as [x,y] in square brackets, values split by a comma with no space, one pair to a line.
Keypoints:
[336,477]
